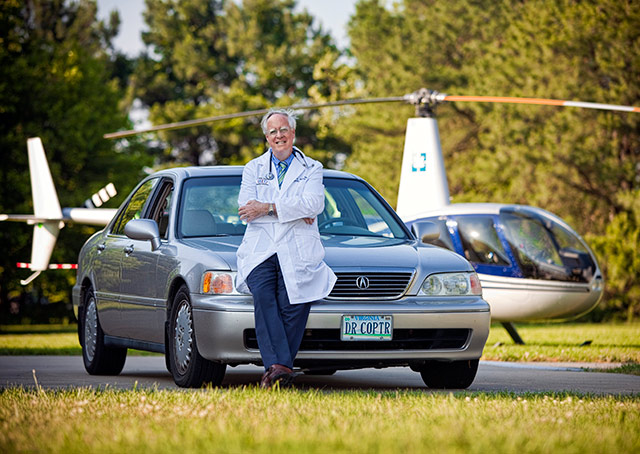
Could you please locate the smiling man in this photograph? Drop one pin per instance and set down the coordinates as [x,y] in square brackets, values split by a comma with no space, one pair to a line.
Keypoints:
[280,260]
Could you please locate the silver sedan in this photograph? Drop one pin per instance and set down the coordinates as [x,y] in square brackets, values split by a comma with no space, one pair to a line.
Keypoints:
[160,277]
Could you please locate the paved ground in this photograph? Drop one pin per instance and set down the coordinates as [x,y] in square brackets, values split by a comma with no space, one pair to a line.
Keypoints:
[144,371]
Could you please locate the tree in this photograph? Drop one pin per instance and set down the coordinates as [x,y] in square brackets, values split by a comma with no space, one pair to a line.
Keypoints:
[56,83]
[580,164]
[397,51]
[214,57]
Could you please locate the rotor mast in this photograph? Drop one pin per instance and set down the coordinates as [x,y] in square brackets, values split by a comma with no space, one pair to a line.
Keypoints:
[425,101]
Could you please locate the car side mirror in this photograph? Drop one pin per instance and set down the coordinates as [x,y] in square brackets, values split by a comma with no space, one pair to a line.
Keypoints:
[144,229]
[425,231]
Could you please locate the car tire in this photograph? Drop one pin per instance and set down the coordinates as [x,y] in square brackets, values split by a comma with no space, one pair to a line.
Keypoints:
[449,375]
[188,367]
[98,358]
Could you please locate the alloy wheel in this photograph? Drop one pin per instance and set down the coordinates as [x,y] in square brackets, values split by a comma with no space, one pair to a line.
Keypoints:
[90,328]
[183,337]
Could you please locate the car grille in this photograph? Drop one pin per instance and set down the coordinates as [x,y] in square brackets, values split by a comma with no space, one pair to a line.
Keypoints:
[378,285]
[403,339]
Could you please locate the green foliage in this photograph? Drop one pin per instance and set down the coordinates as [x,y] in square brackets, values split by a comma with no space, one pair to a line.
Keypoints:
[209,58]
[60,79]
[577,163]
[56,83]
[618,247]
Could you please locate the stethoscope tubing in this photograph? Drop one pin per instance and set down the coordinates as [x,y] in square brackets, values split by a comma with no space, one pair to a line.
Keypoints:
[270,175]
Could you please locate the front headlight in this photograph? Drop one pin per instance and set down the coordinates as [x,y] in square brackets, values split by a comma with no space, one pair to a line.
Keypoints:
[219,283]
[451,284]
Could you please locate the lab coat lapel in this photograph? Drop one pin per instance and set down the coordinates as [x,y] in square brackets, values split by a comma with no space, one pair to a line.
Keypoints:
[293,172]
[265,159]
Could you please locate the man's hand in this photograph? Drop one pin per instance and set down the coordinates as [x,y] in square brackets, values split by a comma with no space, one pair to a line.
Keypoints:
[309,220]
[252,210]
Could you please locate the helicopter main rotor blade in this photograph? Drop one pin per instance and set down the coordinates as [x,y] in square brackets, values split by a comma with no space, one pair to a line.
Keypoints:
[541,101]
[249,113]
[419,98]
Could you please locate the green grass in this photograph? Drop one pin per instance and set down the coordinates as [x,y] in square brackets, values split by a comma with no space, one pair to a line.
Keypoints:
[44,340]
[256,421]
[561,342]
[38,329]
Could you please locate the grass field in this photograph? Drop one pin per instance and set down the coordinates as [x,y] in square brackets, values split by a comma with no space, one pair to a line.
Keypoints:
[256,421]
[618,343]
[251,420]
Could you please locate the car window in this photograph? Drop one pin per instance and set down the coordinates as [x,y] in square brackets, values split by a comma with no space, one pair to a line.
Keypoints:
[209,207]
[162,209]
[480,240]
[135,206]
[352,208]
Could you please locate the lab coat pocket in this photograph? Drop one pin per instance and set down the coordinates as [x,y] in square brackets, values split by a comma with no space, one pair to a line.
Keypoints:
[249,243]
[310,249]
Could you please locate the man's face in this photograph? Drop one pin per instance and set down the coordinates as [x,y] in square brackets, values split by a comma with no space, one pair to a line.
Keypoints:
[280,136]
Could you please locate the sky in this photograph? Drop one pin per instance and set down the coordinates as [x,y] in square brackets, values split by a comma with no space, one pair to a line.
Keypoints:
[332,14]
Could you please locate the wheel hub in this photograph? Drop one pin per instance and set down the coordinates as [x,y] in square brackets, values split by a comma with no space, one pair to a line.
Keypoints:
[90,329]
[183,337]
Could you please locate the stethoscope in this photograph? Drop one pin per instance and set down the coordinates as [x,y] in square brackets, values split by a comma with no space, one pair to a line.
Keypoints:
[271,176]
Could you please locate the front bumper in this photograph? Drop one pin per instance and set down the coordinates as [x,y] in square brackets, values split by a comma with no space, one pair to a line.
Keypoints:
[221,325]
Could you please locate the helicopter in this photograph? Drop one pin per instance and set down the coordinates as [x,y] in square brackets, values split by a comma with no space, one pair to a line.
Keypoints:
[532,265]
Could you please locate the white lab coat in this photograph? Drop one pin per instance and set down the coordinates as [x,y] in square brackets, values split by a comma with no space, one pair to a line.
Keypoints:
[300,251]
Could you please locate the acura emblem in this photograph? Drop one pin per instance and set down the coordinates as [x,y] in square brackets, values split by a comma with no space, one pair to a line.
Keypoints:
[362,282]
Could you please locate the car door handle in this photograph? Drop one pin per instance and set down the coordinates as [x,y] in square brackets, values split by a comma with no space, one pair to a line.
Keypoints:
[128,250]
[101,247]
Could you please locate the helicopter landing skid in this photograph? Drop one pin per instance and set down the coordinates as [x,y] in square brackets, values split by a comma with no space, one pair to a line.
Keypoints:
[513,332]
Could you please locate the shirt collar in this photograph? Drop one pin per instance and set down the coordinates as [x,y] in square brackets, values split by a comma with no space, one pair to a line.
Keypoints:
[276,161]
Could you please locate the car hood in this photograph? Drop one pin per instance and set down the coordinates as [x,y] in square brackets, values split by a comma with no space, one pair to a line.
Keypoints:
[378,252]
[353,252]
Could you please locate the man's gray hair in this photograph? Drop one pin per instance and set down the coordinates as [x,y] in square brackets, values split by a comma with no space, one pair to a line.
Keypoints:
[291,118]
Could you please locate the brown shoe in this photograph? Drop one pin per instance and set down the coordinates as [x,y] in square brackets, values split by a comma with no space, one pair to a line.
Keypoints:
[264,381]
[277,373]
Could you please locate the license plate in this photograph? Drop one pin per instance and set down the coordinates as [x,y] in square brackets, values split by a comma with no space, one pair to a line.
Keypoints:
[367,327]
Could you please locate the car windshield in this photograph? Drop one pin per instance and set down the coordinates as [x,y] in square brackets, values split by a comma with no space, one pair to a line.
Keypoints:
[209,207]
[351,208]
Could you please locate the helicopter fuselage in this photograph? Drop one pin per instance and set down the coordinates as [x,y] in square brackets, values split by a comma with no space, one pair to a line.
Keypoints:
[531,264]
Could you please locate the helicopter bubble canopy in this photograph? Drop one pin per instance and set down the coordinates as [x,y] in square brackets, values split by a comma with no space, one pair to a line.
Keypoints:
[516,241]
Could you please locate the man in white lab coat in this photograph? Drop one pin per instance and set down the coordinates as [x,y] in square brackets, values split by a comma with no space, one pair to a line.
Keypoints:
[280,260]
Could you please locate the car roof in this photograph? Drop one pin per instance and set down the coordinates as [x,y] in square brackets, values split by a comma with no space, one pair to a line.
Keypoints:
[208,171]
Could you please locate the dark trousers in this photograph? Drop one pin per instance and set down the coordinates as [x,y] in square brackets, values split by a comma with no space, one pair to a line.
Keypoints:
[279,324]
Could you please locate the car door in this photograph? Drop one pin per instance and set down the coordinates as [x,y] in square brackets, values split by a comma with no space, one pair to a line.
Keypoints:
[142,301]
[107,275]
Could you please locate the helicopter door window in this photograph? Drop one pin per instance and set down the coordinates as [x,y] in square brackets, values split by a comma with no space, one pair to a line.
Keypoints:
[544,250]
[444,240]
[480,241]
